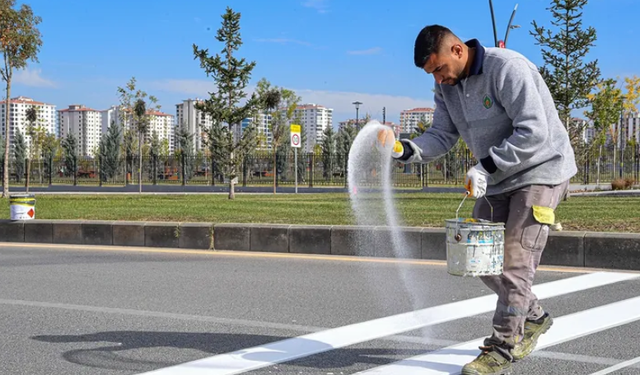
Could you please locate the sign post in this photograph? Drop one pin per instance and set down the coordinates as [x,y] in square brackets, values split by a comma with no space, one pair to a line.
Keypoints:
[295,143]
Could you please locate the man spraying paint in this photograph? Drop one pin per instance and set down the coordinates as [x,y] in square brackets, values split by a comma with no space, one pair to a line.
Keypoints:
[497,102]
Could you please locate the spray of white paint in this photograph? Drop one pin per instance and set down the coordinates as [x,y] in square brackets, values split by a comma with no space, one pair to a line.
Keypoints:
[371,209]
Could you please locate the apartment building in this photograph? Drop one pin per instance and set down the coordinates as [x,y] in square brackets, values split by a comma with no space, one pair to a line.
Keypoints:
[194,120]
[18,121]
[262,122]
[409,118]
[85,124]
[315,119]
[163,125]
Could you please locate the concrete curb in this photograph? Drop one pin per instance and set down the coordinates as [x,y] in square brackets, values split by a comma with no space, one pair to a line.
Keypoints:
[574,249]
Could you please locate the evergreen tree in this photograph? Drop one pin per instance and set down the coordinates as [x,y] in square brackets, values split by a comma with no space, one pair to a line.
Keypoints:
[19,153]
[109,152]
[344,140]
[231,76]
[328,152]
[569,77]
[70,147]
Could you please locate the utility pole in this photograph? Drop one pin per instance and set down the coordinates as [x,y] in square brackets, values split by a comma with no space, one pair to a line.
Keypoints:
[384,121]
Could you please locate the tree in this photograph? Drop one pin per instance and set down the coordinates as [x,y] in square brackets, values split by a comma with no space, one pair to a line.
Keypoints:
[19,153]
[344,140]
[630,101]
[606,106]
[31,115]
[328,152]
[569,77]
[136,112]
[420,127]
[49,147]
[231,76]
[129,150]
[154,153]
[302,163]
[280,104]
[20,42]
[70,147]
[109,152]
[185,152]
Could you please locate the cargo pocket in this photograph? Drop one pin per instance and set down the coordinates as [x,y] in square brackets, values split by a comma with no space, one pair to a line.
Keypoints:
[534,235]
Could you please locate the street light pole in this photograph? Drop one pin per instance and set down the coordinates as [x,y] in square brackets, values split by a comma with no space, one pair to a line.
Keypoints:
[493,20]
[357,104]
[502,43]
[509,27]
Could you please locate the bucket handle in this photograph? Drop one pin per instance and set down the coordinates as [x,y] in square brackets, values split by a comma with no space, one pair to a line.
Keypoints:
[465,197]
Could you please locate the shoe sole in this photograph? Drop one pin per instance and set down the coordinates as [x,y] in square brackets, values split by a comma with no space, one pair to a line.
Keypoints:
[506,371]
[534,338]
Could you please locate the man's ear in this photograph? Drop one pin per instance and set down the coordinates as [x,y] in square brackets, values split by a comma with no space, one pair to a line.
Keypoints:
[457,50]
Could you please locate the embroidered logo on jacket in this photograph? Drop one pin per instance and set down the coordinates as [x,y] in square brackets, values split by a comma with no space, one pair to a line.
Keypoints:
[487,102]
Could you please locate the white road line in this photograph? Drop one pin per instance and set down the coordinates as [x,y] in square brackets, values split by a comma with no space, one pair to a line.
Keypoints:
[302,346]
[566,328]
[619,366]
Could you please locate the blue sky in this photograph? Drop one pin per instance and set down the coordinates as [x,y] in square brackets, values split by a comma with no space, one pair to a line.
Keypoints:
[330,52]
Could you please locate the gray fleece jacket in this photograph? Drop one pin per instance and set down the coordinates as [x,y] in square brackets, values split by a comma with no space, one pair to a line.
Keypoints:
[505,113]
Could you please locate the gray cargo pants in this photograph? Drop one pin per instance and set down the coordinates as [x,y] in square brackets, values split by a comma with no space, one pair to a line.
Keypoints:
[525,239]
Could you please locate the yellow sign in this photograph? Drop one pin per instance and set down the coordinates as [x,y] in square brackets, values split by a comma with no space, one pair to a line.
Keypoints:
[295,128]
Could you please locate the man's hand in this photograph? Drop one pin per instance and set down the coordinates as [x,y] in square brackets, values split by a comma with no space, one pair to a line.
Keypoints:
[476,181]
[386,138]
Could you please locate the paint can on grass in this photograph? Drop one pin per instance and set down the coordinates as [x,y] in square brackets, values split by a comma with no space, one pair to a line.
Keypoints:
[23,206]
[474,247]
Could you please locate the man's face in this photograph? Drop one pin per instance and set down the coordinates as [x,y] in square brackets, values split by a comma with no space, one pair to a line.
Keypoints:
[447,66]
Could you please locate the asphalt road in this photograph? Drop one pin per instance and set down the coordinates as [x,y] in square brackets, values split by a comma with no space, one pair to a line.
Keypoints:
[98,310]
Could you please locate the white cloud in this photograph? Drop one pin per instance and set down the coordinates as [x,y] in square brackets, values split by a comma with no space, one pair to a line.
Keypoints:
[282,41]
[32,77]
[370,51]
[190,87]
[320,5]
[339,101]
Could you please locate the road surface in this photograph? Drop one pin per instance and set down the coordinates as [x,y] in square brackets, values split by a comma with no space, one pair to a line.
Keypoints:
[106,310]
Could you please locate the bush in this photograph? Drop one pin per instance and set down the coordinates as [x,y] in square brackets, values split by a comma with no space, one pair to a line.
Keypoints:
[629,182]
[618,184]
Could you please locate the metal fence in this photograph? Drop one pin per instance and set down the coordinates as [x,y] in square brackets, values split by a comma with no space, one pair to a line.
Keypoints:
[313,171]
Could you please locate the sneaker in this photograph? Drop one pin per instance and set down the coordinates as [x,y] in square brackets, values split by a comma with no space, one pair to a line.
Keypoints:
[532,331]
[489,362]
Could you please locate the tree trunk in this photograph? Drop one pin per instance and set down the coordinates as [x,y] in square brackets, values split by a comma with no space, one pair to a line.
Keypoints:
[275,172]
[26,182]
[140,162]
[599,162]
[5,177]
[232,193]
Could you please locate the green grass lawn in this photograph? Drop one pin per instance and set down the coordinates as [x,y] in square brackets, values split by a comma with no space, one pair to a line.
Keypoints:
[621,214]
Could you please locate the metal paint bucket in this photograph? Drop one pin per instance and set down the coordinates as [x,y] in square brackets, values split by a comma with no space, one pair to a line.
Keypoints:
[23,206]
[474,247]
